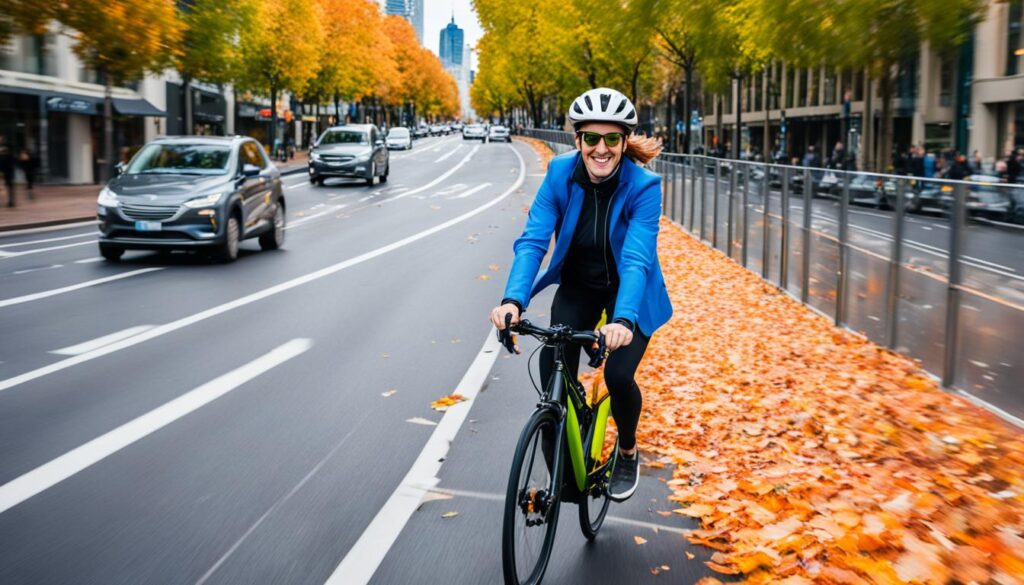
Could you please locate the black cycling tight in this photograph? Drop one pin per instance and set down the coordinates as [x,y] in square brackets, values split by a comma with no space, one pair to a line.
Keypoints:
[580,308]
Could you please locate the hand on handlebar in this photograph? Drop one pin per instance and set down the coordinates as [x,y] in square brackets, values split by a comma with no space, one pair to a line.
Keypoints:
[504,317]
[616,336]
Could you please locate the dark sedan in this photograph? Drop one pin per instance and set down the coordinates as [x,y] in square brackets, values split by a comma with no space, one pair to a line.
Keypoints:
[355,151]
[193,193]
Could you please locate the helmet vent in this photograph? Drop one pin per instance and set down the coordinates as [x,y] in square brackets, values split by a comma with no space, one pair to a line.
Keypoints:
[590,104]
[576,108]
[605,98]
[631,115]
[622,106]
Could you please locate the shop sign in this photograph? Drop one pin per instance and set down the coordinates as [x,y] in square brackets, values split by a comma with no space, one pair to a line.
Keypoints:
[247,111]
[76,106]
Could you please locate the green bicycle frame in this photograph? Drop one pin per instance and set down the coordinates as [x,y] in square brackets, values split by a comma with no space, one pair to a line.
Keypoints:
[599,424]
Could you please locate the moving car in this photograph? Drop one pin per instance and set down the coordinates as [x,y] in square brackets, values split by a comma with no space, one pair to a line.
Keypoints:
[353,151]
[193,193]
[399,138]
[474,132]
[499,133]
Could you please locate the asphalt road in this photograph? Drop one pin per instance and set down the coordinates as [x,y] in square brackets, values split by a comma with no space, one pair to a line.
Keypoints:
[168,420]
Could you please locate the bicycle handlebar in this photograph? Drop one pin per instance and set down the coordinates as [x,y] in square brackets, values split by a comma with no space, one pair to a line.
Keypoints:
[555,334]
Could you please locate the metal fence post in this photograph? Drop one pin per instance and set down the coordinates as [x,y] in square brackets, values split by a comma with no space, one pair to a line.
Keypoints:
[745,200]
[729,221]
[805,249]
[784,246]
[693,191]
[892,285]
[766,240]
[714,206]
[956,244]
[703,196]
[844,232]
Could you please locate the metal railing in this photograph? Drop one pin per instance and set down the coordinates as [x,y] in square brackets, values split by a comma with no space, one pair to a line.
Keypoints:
[934,270]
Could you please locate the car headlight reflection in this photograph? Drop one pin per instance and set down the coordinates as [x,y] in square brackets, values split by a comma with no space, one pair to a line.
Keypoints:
[107,198]
[204,201]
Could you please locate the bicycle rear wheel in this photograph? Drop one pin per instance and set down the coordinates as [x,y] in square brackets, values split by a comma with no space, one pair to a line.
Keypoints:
[593,505]
[531,502]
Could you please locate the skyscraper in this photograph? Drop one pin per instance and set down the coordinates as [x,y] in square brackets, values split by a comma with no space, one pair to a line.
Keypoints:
[451,44]
[411,10]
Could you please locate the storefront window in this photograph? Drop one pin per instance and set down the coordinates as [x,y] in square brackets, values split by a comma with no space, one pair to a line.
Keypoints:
[815,79]
[1010,134]
[801,88]
[790,87]
[946,82]
[1014,47]
[830,86]
[758,91]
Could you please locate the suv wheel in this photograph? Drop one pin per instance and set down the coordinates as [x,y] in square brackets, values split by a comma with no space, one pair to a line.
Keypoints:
[384,177]
[111,253]
[373,174]
[228,250]
[274,239]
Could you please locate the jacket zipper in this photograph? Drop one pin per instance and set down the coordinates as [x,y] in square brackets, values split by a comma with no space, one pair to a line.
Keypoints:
[607,224]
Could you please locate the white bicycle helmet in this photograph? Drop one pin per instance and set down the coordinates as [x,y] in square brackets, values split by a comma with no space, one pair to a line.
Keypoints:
[603,105]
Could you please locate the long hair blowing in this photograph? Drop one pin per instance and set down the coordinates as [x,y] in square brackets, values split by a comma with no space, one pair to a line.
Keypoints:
[642,149]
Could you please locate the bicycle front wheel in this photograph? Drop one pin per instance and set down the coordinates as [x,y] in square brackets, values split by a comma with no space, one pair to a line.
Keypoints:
[531,502]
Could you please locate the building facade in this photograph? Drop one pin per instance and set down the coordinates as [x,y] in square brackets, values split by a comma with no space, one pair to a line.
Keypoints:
[411,10]
[967,100]
[451,46]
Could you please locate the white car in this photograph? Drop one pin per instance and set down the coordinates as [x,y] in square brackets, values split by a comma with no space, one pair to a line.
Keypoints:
[499,133]
[399,138]
[474,132]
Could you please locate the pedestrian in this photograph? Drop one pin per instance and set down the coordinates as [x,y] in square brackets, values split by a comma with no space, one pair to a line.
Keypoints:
[811,158]
[959,171]
[975,163]
[7,169]
[27,162]
[612,270]
[915,165]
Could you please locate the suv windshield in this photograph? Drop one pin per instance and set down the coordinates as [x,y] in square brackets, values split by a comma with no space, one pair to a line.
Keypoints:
[181,159]
[344,137]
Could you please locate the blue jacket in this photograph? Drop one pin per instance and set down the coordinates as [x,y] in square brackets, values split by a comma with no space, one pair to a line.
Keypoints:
[635,212]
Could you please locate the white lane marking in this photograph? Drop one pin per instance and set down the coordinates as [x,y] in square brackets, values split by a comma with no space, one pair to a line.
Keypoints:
[450,152]
[297,185]
[280,502]
[47,240]
[74,287]
[362,560]
[47,249]
[53,472]
[472,191]
[89,260]
[461,163]
[303,220]
[49,228]
[262,294]
[368,197]
[41,268]
[92,344]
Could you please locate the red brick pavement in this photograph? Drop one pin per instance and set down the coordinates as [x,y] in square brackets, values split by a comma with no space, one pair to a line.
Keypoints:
[54,204]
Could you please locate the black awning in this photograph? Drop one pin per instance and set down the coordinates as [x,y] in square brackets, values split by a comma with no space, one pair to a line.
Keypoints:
[59,101]
[137,107]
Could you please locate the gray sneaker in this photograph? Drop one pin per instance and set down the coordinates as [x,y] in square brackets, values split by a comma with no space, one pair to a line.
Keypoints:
[625,477]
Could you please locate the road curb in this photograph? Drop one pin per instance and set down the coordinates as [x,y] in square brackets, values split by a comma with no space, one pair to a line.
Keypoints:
[46,223]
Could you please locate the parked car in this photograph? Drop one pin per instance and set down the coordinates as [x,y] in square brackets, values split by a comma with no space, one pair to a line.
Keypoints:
[497,133]
[399,138]
[421,131]
[987,197]
[457,126]
[352,151]
[474,132]
[436,130]
[193,193]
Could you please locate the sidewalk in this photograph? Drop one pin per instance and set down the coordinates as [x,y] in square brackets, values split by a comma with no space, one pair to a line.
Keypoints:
[810,454]
[57,204]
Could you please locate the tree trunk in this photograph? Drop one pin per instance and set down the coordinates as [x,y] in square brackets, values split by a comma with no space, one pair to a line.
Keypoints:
[718,124]
[634,83]
[687,109]
[108,130]
[868,135]
[766,142]
[739,118]
[884,158]
[337,110]
[273,119]
[670,128]
[186,99]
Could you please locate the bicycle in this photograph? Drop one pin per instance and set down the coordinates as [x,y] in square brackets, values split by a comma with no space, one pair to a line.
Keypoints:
[569,432]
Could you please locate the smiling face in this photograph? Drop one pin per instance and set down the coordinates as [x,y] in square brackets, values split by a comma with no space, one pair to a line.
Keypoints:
[600,159]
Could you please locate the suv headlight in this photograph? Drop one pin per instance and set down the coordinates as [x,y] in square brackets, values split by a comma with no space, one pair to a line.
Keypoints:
[314,156]
[204,201]
[107,198]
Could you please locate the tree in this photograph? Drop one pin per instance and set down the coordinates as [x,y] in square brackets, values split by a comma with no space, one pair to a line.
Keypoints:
[280,51]
[121,41]
[209,30]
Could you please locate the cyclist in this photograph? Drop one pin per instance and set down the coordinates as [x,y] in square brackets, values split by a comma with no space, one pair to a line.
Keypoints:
[603,208]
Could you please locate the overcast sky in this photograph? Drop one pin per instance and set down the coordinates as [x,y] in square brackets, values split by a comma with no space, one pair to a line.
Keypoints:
[437,14]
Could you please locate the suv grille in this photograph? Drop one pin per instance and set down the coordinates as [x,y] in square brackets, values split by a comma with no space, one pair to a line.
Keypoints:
[336,157]
[148,212]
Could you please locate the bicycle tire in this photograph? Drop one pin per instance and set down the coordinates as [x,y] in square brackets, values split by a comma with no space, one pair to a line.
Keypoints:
[595,500]
[531,441]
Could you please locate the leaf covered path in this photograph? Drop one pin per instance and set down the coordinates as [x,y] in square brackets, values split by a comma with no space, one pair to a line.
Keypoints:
[810,454]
